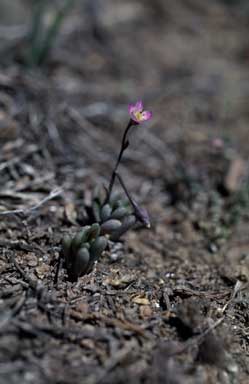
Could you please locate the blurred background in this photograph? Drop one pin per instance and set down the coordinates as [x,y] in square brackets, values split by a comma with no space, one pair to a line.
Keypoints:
[69,69]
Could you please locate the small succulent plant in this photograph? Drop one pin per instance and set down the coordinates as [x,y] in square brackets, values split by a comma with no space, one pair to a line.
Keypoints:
[115,216]
[110,216]
[81,251]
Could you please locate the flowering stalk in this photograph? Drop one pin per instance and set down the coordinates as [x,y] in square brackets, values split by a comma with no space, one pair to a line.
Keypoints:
[124,146]
[140,213]
[137,116]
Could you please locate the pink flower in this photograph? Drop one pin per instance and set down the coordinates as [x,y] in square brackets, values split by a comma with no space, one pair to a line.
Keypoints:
[138,114]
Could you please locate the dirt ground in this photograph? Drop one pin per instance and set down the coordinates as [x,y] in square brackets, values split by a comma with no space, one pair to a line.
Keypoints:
[166,305]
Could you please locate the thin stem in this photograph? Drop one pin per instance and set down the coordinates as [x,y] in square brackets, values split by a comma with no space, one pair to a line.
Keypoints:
[140,213]
[126,190]
[124,145]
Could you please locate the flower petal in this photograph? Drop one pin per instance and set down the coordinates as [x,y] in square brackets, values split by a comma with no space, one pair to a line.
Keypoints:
[146,115]
[139,106]
[131,108]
